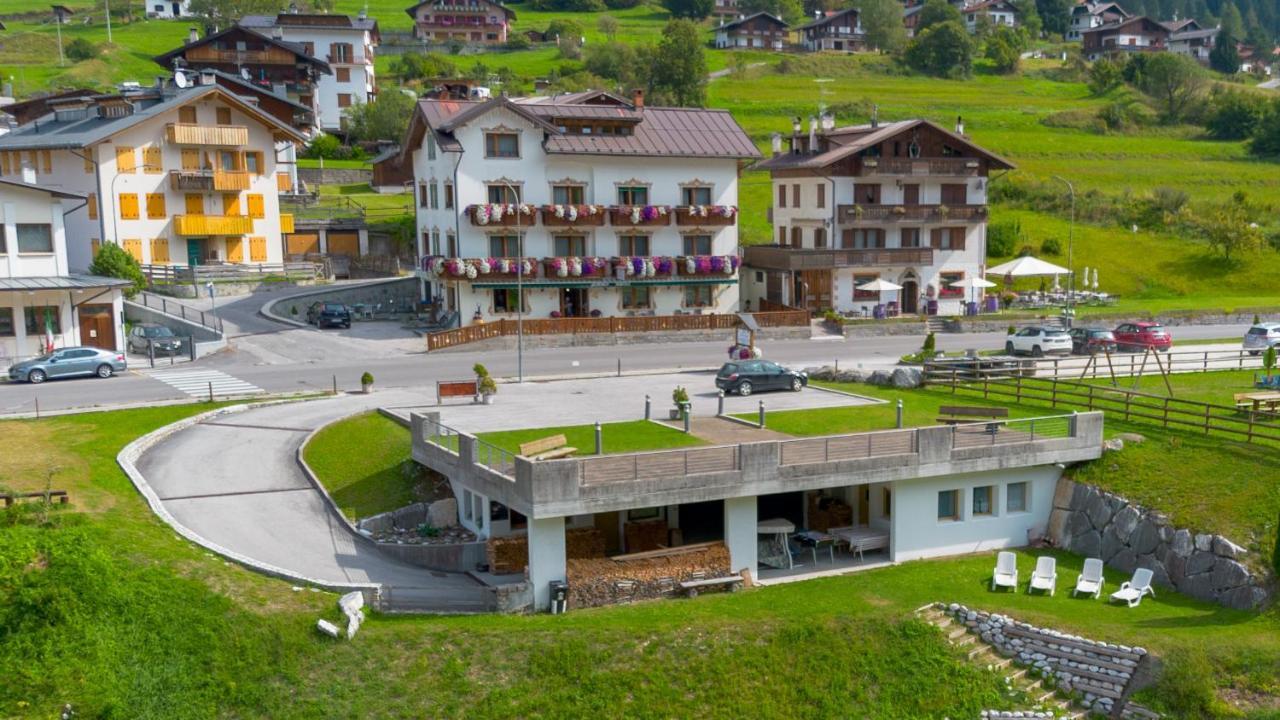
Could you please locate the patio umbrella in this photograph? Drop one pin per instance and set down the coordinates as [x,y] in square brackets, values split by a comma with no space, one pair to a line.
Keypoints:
[1095,279]
[879,285]
[1027,267]
[972,283]
[1057,286]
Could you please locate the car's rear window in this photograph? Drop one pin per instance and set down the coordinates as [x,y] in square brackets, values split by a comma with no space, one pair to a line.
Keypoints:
[729,369]
[1153,329]
[1054,333]
[157,332]
[1258,331]
[333,308]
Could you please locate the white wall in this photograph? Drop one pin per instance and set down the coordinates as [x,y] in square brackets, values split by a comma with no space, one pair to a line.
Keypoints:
[546,558]
[740,524]
[918,533]
[361,86]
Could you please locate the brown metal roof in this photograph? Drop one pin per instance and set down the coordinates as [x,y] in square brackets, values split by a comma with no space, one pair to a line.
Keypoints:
[855,139]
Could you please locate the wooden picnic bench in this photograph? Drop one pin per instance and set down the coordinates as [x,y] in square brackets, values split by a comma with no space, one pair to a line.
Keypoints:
[454,388]
[956,414]
[548,448]
[1255,401]
[691,588]
[48,496]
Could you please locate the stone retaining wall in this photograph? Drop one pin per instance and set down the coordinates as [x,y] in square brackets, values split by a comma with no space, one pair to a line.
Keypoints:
[508,342]
[333,176]
[1094,523]
[900,377]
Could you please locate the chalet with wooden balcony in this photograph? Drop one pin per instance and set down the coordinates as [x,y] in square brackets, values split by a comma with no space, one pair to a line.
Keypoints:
[837,30]
[480,22]
[1134,34]
[183,173]
[619,209]
[1092,14]
[761,31]
[903,202]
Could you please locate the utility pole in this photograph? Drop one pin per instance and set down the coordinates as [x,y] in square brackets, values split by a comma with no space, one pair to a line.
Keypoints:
[107,4]
[1071,231]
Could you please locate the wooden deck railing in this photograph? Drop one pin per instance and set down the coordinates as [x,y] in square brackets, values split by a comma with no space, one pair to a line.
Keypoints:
[220,135]
[572,326]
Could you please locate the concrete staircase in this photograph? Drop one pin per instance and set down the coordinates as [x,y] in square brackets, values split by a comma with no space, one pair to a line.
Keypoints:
[935,324]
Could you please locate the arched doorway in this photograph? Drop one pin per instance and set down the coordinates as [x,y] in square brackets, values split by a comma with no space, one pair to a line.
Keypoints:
[910,294]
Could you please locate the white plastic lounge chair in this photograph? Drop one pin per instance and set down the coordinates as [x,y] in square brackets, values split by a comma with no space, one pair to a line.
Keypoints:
[1090,580]
[1006,572]
[1045,576]
[1131,591]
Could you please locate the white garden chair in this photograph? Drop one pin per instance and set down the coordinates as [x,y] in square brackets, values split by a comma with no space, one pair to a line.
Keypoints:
[1006,572]
[1090,580]
[1045,576]
[1131,591]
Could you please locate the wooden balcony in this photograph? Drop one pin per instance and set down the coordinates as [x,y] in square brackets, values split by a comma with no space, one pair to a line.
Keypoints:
[286,222]
[206,225]
[208,180]
[881,214]
[957,167]
[585,218]
[708,216]
[268,56]
[777,257]
[624,217]
[215,135]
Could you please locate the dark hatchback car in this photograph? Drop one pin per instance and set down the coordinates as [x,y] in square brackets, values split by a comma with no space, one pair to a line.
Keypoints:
[156,336]
[747,376]
[1089,341]
[323,314]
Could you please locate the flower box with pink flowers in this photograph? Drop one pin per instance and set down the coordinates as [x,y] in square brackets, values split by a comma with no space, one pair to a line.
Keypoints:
[502,214]
[573,215]
[573,267]
[706,215]
[639,215]
[707,265]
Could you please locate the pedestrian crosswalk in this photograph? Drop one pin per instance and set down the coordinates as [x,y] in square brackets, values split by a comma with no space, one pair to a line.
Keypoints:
[199,383]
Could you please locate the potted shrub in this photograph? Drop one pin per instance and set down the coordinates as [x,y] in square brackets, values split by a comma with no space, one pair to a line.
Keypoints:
[481,372]
[488,388]
[679,398]
[366,383]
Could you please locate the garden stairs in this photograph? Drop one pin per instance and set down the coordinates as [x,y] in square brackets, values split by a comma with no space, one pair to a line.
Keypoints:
[1055,701]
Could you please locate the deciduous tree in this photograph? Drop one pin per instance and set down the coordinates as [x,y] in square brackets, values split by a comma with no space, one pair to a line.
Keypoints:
[679,65]
[882,21]
[1104,76]
[1175,81]
[936,12]
[1230,231]
[1004,49]
[1266,138]
[790,11]
[608,26]
[113,262]
[944,50]
[384,118]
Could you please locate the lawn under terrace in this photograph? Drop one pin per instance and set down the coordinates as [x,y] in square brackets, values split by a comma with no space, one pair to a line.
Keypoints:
[363,462]
[619,437]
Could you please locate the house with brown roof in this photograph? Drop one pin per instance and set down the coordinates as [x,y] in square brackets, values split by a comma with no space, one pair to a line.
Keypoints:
[582,205]
[837,30]
[1090,14]
[998,12]
[481,22]
[760,30]
[1194,43]
[902,202]
[1136,34]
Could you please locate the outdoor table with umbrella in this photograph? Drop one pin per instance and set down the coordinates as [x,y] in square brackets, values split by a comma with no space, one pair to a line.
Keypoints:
[972,284]
[881,286]
[1027,266]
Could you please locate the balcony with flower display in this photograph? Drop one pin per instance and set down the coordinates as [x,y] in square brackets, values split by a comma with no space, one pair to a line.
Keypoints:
[576,267]
[712,265]
[499,268]
[574,215]
[639,215]
[706,215]
[503,215]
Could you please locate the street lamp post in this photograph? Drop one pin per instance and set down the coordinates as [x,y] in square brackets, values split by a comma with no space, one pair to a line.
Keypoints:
[519,287]
[1071,229]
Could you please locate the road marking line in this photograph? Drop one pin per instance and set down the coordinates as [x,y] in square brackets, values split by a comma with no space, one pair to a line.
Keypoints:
[233,494]
[197,382]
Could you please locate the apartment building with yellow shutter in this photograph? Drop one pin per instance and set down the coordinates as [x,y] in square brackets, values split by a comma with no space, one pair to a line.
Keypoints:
[185,172]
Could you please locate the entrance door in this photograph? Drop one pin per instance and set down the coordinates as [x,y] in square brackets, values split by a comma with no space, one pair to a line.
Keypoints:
[344,243]
[97,327]
[910,297]
[574,302]
[814,290]
[195,251]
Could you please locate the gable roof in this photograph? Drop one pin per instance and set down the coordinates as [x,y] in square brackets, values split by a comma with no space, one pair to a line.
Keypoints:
[325,21]
[413,11]
[991,5]
[50,133]
[829,17]
[1099,8]
[1186,24]
[63,194]
[848,141]
[744,20]
[1207,33]
[1143,20]
[296,48]
[27,110]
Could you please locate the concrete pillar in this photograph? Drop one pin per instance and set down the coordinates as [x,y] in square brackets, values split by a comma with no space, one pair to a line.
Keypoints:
[546,558]
[740,520]
[896,520]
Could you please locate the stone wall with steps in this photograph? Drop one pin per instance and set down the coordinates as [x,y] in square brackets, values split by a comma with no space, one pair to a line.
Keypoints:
[1091,522]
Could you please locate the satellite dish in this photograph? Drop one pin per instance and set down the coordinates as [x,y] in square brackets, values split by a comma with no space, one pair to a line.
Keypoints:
[244,73]
[179,79]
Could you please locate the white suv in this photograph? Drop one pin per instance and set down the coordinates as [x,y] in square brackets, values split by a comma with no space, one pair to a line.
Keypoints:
[1038,341]
[1262,336]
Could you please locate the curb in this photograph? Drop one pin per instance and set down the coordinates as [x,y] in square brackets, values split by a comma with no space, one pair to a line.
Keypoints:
[267,310]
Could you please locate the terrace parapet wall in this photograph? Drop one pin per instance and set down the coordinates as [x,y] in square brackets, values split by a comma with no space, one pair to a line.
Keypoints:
[592,484]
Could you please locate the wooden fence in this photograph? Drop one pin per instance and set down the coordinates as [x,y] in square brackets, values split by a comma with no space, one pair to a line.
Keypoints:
[589,325]
[1118,403]
[199,274]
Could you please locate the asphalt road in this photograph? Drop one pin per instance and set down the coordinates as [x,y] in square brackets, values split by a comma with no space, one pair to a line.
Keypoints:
[281,358]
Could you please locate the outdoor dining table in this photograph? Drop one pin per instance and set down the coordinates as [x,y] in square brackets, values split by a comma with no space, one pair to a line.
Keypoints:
[860,538]
[775,552]
[1270,399]
[815,541]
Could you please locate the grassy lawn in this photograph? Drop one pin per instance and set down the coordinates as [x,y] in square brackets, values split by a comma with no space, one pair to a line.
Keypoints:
[619,437]
[377,482]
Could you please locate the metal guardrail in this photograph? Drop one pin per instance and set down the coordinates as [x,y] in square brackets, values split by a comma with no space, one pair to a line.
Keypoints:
[441,436]
[855,446]
[488,455]
[179,310]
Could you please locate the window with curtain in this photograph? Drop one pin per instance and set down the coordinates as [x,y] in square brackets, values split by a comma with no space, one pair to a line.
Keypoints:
[1016,497]
[570,245]
[633,195]
[504,194]
[984,499]
[695,195]
[633,245]
[909,237]
[567,194]
[697,244]
[949,505]
[697,295]
[504,245]
[635,297]
[35,238]
[501,145]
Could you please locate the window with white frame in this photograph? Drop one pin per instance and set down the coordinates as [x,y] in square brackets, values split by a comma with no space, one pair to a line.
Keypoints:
[1015,497]
[984,500]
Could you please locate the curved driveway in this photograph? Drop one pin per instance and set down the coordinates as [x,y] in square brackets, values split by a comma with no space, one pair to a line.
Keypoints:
[235,481]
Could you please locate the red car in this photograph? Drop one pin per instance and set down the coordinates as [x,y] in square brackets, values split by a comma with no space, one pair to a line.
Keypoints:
[1137,336]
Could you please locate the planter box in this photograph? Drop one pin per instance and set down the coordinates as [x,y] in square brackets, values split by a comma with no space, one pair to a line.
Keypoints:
[685,216]
[549,218]
[507,220]
[621,217]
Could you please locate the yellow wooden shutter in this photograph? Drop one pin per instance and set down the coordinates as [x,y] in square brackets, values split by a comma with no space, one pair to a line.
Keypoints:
[155,206]
[230,204]
[160,250]
[93,206]
[46,158]
[260,162]
[284,183]
[195,204]
[134,248]
[152,161]
[187,115]
[235,249]
[4,163]
[190,158]
[256,209]
[128,206]
[126,161]
[88,160]
[94,245]
[258,249]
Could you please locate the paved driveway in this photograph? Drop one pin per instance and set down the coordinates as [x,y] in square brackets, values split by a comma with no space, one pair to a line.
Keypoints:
[234,480]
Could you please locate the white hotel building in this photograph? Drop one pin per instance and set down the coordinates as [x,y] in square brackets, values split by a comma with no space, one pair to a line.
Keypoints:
[617,209]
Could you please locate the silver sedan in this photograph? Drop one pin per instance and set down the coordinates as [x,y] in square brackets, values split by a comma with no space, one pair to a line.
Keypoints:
[69,362]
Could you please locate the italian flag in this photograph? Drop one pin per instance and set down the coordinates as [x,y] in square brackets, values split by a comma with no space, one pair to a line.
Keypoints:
[48,331]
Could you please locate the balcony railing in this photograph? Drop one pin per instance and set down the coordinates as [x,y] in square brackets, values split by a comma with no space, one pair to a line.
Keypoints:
[219,135]
[208,180]
[269,56]
[706,215]
[877,214]
[198,225]
[777,257]
[961,167]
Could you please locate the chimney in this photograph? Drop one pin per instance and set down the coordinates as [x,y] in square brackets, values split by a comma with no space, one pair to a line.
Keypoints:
[193,36]
[775,141]
[959,125]
[207,77]
[363,14]
[28,175]
[813,134]
[875,116]
[637,99]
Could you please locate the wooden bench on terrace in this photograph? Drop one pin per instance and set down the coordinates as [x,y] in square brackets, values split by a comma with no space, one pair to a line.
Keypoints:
[454,388]
[548,448]
[957,414]
[691,588]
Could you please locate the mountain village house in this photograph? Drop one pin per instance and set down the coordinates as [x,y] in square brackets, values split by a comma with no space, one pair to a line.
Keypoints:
[1135,34]
[174,175]
[997,12]
[1089,15]
[596,205]
[347,44]
[43,303]
[905,202]
[725,7]
[1194,42]
[837,30]
[760,30]
[470,21]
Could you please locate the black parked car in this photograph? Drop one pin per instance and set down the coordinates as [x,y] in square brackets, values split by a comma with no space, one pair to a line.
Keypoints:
[1088,341]
[746,376]
[323,314]
[157,336]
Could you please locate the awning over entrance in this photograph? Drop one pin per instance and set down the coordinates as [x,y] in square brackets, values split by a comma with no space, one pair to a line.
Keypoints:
[61,282]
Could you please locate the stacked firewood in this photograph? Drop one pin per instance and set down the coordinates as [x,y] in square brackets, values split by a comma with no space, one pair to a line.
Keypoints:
[607,581]
[511,554]
[645,535]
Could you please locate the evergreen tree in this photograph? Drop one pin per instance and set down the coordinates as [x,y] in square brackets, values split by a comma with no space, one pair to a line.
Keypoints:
[1055,15]
[1230,22]
[679,69]
[935,12]
[1223,57]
